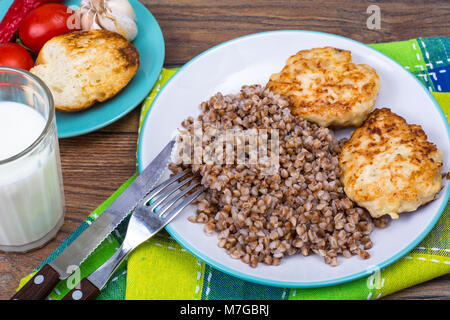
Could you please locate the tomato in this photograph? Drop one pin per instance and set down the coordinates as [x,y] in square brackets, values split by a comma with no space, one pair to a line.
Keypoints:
[14,55]
[43,23]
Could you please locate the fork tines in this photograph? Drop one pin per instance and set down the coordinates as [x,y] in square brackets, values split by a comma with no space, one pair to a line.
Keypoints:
[165,195]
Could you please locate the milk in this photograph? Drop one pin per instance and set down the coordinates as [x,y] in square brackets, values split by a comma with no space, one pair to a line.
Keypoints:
[31,195]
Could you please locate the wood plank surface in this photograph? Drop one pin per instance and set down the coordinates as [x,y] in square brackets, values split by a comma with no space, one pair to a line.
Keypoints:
[96,164]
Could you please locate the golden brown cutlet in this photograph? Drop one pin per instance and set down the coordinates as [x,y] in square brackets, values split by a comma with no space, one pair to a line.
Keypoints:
[325,87]
[389,167]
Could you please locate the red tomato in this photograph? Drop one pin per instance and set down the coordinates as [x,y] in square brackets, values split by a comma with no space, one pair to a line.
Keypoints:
[14,55]
[43,23]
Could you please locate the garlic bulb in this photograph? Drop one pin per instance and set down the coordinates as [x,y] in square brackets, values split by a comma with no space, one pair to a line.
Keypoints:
[113,15]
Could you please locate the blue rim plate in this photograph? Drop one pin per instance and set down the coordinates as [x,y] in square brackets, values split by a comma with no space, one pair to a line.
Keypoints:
[358,268]
[150,45]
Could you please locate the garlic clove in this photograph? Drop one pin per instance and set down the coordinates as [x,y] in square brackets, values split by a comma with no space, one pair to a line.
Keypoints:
[95,24]
[121,7]
[86,18]
[119,23]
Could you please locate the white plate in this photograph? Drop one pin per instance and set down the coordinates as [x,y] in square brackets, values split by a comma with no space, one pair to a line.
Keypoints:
[252,59]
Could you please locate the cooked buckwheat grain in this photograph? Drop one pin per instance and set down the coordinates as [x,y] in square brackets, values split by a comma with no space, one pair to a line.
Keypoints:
[300,209]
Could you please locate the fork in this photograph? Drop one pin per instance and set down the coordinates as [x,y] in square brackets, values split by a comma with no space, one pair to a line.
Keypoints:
[159,207]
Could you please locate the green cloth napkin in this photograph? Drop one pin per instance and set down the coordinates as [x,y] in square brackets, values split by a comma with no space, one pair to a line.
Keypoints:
[162,269]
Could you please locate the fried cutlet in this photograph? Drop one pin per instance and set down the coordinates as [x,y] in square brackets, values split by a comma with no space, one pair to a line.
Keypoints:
[85,67]
[389,167]
[325,87]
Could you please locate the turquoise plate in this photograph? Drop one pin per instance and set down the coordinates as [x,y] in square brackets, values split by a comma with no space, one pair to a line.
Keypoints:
[150,45]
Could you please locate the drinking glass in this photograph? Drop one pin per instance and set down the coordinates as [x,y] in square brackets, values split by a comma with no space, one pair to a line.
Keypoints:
[31,188]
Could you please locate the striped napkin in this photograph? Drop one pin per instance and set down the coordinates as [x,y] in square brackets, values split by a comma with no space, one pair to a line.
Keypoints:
[162,269]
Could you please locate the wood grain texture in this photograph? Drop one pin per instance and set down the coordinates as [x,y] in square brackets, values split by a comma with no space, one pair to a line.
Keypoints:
[190,27]
[95,165]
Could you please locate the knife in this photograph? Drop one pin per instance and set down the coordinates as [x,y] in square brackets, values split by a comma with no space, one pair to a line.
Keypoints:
[161,206]
[43,282]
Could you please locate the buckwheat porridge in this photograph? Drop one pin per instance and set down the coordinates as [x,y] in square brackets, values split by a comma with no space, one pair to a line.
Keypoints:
[301,208]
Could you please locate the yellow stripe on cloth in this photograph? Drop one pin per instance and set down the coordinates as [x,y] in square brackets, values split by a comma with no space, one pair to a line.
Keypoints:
[425,268]
[162,269]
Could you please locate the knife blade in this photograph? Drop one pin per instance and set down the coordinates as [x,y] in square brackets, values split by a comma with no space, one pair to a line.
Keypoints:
[43,282]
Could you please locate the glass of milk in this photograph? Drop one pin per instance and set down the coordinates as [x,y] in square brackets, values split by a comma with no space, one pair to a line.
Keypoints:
[31,189]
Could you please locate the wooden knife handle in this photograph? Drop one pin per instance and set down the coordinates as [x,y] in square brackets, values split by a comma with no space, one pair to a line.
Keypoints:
[86,291]
[40,286]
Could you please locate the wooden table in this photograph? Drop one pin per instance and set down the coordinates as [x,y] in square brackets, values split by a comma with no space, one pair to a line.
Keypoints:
[96,164]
